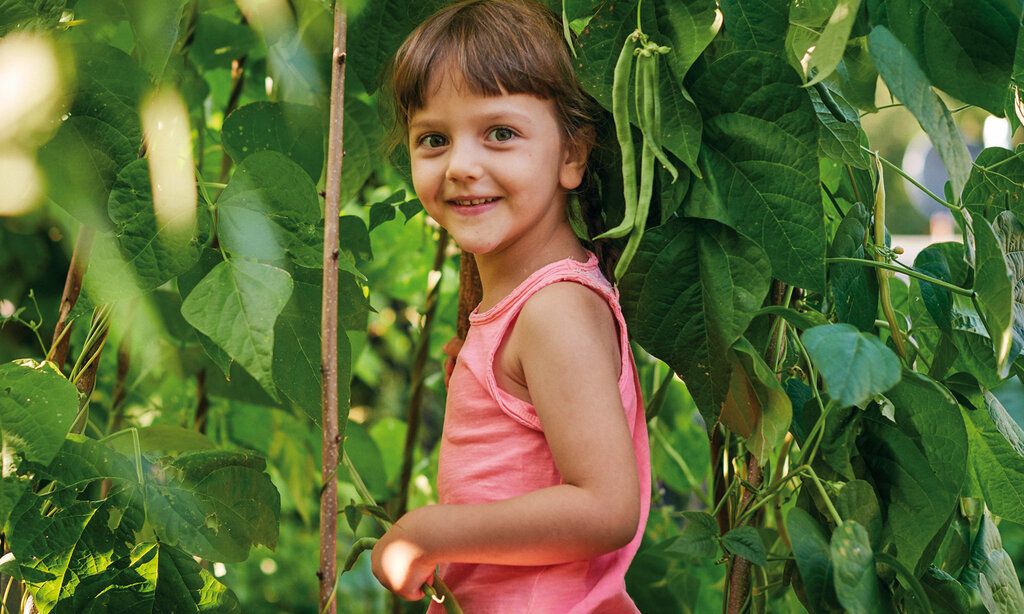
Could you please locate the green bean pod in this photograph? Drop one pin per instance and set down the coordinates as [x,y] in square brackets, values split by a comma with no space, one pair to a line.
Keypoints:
[361,545]
[650,124]
[623,132]
[643,206]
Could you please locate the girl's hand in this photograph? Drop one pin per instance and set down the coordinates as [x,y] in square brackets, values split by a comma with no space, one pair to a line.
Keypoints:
[400,561]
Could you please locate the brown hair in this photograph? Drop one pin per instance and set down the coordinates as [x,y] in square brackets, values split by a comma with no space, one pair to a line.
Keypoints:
[533,59]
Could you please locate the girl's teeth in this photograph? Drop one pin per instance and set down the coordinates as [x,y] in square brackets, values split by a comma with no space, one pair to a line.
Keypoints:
[478,201]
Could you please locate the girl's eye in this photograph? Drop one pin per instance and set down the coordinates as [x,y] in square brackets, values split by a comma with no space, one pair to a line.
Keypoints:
[431,144]
[502,130]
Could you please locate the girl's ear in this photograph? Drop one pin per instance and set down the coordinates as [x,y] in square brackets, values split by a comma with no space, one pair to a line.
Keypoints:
[574,160]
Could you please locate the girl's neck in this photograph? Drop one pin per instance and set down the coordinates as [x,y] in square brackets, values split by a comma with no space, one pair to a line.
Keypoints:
[501,272]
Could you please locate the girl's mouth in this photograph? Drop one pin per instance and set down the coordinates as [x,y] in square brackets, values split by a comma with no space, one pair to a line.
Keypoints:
[474,209]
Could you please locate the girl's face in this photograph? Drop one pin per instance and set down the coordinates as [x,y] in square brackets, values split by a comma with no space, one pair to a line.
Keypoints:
[507,147]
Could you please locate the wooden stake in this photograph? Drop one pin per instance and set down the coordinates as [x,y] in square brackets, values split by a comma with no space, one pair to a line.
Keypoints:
[327,572]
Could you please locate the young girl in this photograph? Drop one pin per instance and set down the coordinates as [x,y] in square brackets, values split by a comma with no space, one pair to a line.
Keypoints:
[544,469]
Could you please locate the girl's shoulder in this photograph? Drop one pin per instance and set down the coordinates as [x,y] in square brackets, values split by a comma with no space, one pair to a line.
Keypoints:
[569,314]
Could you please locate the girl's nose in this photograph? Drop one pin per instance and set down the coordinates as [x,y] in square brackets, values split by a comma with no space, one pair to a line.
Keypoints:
[463,164]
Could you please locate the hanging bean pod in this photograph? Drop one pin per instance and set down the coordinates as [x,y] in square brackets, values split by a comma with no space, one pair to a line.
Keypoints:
[624,135]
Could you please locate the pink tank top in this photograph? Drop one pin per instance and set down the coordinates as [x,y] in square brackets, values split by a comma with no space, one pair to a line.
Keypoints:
[493,448]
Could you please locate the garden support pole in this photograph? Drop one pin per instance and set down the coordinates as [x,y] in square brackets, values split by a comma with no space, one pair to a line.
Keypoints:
[327,572]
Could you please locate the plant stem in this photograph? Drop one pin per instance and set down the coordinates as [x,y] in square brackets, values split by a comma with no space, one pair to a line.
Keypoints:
[909,272]
[739,579]
[7,592]
[770,494]
[824,495]
[903,174]
[1001,162]
[332,434]
[72,288]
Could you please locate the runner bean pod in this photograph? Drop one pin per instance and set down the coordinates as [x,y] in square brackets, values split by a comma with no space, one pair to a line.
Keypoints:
[624,135]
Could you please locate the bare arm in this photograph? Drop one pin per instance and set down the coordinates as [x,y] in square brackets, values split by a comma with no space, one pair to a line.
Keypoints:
[569,358]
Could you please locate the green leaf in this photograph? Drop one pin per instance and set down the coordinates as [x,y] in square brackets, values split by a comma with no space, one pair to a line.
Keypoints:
[711,280]
[294,130]
[216,42]
[29,15]
[944,261]
[830,45]
[599,46]
[270,206]
[1010,234]
[857,501]
[215,504]
[236,305]
[997,457]
[187,281]
[297,343]
[947,596]
[842,426]
[680,120]
[73,548]
[839,132]
[756,24]
[100,137]
[80,164]
[378,31]
[363,134]
[806,20]
[966,47]
[995,183]
[857,75]
[854,569]
[854,287]
[856,366]
[163,579]
[994,289]
[902,74]
[699,538]
[990,571]
[746,542]
[918,464]
[689,25]
[157,249]
[156,29]
[183,586]
[760,138]
[37,407]
[91,560]
[776,410]
[812,552]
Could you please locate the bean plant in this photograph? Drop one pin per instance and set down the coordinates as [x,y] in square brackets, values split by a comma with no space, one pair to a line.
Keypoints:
[825,436]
